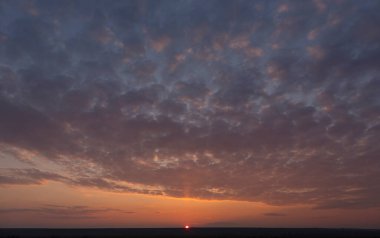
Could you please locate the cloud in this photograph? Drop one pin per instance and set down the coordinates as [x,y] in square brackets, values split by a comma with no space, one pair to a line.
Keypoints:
[274,214]
[219,100]
[27,176]
[222,224]
[59,211]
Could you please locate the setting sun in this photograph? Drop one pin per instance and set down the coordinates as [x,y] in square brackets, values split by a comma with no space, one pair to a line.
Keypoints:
[187,227]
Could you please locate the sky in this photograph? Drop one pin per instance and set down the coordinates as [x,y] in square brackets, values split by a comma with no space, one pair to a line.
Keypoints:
[202,113]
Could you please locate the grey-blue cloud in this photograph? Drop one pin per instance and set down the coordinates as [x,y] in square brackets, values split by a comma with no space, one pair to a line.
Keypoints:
[26,176]
[245,100]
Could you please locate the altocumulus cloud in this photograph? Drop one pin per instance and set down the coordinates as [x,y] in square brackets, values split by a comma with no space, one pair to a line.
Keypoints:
[271,101]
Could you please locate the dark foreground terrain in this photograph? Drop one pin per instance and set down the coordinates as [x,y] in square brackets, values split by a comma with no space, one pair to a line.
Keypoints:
[193,232]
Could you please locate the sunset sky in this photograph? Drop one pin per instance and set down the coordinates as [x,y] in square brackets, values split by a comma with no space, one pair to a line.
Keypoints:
[202,113]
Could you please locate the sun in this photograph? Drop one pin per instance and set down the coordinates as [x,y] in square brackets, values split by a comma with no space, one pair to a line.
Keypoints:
[187,227]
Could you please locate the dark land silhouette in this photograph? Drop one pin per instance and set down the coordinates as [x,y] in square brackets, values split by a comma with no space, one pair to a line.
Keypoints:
[193,232]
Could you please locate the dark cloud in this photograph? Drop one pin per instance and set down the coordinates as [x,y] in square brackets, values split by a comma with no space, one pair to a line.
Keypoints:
[222,224]
[274,214]
[27,176]
[59,212]
[244,100]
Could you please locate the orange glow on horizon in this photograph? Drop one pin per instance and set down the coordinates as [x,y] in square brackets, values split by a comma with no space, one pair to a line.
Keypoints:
[138,210]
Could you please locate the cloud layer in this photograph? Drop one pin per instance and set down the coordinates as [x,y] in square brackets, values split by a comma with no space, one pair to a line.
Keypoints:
[59,212]
[276,101]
